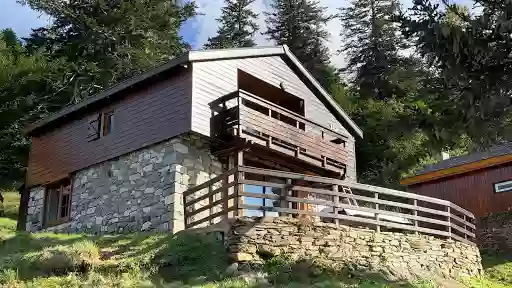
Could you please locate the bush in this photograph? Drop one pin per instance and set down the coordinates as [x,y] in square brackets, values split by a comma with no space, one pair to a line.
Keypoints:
[79,257]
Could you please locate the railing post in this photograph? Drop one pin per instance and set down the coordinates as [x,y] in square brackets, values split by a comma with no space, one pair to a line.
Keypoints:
[465,227]
[239,187]
[415,213]
[283,203]
[185,212]
[225,195]
[377,215]
[336,202]
[448,209]
[210,201]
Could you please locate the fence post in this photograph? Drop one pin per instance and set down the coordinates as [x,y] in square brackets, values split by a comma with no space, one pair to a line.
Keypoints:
[225,195]
[185,211]
[283,203]
[377,215]
[210,202]
[448,209]
[336,202]
[465,227]
[415,213]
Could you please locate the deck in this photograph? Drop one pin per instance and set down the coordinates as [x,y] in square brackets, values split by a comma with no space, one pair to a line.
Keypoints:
[237,192]
[247,116]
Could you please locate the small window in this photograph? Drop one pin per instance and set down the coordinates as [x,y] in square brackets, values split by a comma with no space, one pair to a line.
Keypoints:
[505,186]
[57,203]
[107,123]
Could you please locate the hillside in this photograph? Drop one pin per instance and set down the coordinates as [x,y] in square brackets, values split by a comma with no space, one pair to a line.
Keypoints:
[162,260]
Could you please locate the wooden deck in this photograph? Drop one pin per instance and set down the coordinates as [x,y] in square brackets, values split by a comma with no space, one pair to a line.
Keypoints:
[323,199]
[250,117]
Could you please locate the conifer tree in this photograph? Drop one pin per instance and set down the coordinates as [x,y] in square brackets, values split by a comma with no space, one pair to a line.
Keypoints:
[300,24]
[237,26]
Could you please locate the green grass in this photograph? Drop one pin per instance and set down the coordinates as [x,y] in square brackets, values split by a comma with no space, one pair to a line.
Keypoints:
[50,260]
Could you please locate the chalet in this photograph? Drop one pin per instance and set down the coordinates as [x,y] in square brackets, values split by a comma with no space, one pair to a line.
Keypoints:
[480,182]
[210,135]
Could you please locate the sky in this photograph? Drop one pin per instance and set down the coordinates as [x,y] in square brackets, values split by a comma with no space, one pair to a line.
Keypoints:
[196,31]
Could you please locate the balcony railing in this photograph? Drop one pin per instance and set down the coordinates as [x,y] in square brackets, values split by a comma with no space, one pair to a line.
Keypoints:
[248,191]
[250,117]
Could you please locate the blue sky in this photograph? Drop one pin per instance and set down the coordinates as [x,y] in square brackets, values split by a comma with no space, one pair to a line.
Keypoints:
[22,19]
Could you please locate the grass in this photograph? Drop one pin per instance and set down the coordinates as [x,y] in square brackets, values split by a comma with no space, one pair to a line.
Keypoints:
[50,260]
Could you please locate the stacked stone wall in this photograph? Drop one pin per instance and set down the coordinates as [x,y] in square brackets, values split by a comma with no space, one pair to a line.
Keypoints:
[140,191]
[396,255]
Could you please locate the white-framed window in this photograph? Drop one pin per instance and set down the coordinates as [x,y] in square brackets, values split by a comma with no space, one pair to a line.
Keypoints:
[504,186]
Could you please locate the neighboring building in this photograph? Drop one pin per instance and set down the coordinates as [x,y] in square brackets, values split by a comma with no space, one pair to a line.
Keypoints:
[120,160]
[480,182]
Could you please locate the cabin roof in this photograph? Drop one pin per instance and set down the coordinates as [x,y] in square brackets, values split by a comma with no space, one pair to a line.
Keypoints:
[493,156]
[203,55]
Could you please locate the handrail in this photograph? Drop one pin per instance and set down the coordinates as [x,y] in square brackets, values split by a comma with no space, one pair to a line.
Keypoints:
[382,212]
[251,97]
[288,113]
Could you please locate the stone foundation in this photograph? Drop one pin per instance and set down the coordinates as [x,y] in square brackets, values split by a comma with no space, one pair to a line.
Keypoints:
[395,255]
[140,191]
[494,233]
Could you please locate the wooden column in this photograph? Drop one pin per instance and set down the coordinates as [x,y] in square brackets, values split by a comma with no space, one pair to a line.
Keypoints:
[377,215]
[448,209]
[336,202]
[415,213]
[225,195]
[239,187]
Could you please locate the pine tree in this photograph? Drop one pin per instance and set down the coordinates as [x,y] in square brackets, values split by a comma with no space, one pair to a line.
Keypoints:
[373,45]
[300,24]
[107,41]
[236,26]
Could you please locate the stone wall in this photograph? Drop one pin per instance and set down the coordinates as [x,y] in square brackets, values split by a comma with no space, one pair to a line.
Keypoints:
[395,255]
[140,191]
[494,233]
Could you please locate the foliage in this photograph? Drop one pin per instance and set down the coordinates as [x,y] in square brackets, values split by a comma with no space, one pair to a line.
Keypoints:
[236,26]
[300,24]
[9,208]
[470,92]
[106,41]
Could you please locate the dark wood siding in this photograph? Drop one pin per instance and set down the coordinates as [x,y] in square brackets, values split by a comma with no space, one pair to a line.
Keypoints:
[472,191]
[151,114]
[214,79]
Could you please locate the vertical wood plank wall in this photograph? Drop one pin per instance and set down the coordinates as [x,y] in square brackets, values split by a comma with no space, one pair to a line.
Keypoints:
[213,79]
[151,114]
[472,191]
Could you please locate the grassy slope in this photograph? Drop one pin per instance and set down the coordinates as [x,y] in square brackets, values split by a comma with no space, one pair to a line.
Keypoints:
[136,260]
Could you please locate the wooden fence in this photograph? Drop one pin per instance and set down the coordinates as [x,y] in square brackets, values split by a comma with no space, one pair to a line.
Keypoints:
[249,191]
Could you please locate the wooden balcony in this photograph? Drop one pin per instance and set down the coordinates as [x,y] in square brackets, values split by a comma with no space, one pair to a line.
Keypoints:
[262,122]
[242,191]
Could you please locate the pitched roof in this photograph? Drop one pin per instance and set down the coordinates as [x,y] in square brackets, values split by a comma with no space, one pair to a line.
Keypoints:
[206,55]
[495,151]
[493,156]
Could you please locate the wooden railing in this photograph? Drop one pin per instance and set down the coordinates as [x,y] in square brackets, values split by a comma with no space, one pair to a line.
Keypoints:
[237,192]
[253,118]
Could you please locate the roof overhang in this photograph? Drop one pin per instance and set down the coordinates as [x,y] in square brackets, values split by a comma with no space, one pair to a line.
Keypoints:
[452,171]
[206,55]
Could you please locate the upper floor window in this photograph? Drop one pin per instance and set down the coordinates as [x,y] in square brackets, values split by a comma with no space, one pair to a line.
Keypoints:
[107,123]
[57,203]
[505,186]
[100,125]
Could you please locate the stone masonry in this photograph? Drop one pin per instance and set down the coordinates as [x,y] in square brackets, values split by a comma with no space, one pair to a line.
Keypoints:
[494,233]
[395,255]
[140,191]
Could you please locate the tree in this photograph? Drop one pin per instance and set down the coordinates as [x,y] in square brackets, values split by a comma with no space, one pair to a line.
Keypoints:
[300,24]
[375,48]
[472,88]
[30,86]
[236,26]
[384,96]
[107,41]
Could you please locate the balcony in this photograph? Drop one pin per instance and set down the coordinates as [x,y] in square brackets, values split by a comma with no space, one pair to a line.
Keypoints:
[242,115]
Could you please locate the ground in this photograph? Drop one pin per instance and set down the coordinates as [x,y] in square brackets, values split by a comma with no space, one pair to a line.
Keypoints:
[162,260]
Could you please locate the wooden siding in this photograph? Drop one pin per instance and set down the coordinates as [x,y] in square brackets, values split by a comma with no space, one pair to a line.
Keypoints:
[146,116]
[214,79]
[472,191]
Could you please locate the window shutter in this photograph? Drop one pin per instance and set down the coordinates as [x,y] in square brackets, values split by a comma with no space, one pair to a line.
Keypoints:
[93,129]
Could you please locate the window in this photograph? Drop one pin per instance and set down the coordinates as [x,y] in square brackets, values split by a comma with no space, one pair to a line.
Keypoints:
[505,186]
[107,123]
[57,203]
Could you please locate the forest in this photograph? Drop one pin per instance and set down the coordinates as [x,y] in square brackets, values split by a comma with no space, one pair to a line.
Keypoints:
[419,81]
